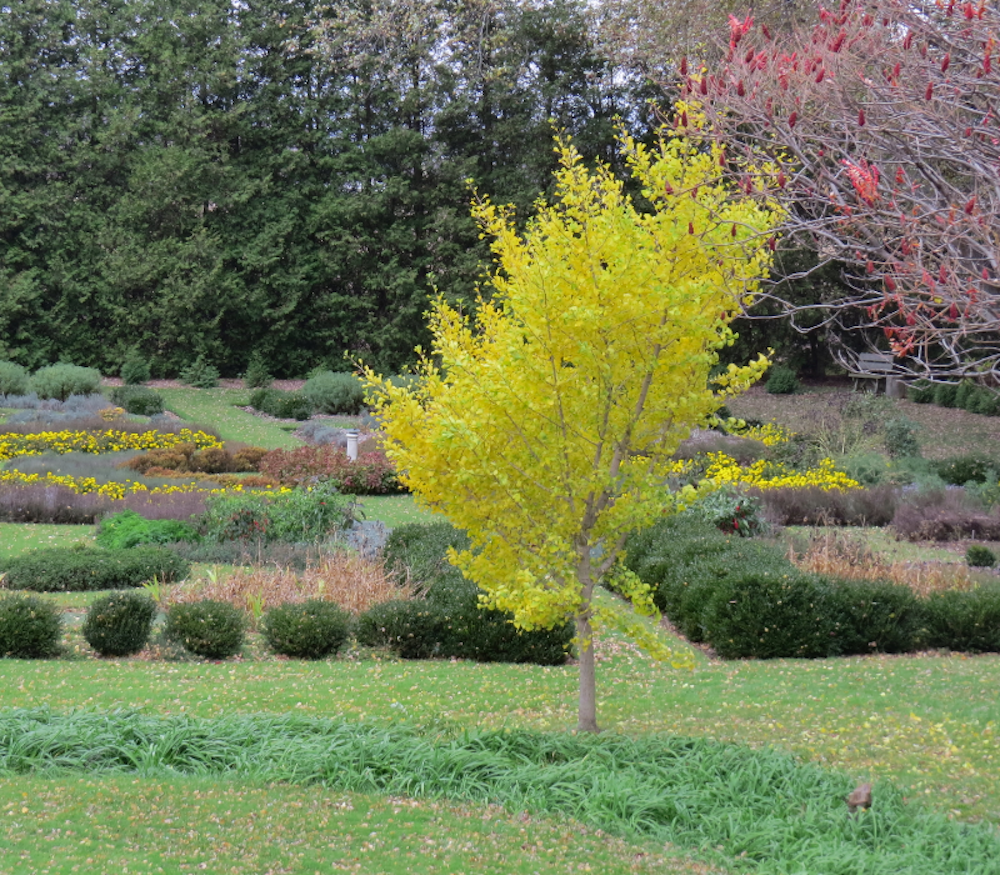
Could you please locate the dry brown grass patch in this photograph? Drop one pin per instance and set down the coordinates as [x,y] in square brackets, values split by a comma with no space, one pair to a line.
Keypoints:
[348,579]
[837,555]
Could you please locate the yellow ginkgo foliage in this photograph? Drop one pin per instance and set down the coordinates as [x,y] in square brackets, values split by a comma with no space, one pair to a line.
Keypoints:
[542,426]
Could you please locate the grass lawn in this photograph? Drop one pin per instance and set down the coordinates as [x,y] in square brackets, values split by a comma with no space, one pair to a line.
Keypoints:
[217,407]
[16,538]
[395,510]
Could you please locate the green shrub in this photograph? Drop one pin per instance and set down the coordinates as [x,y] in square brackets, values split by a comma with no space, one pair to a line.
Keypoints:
[978,556]
[62,380]
[127,529]
[900,438]
[137,400]
[30,627]
[311,630]
[281,405]
[985,402]
[448,622]
[135,369]
[200,374]
[329,392]
[970,468]
[421,548]
[412,629]
[964,393]
[458,628]
[257,375]
[782,381]
[921,392]
[965,621]
[876,616]
[731,511]
[119,624]
[771,616]
[679,555]
[945,394]
[207,628]
[13,379]
[60,569]
[303,515]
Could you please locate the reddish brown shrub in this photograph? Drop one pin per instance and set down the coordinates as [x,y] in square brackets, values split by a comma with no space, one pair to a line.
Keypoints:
[248,458]
[371,474]
[813,506]
[945,515]
[213,460]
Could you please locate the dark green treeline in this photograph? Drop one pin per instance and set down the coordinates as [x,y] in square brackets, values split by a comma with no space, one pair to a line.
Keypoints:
[213,177]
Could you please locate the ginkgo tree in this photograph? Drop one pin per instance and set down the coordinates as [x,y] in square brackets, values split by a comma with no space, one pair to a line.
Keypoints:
[543,424]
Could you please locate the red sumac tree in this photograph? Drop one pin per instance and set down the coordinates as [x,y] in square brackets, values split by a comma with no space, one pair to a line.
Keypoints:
[882,120]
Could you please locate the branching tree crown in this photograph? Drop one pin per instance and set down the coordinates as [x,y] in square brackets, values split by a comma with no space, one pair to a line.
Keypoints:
[542,425]
[883,118]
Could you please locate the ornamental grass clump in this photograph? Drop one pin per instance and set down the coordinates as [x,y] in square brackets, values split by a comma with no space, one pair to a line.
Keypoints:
[212,629]
[30,627]
[352,581]
[119,624]
[312,629]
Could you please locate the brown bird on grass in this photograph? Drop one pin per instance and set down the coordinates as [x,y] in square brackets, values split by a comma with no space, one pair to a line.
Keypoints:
[861,797]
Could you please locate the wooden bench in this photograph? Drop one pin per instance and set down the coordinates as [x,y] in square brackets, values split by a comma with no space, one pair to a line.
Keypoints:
[876,366]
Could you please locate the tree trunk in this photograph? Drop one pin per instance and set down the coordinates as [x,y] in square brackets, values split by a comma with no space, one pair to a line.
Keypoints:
[587,721]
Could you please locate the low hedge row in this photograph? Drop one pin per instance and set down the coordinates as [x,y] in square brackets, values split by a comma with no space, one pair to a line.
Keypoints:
[447,621]
[746,600]
[73,569]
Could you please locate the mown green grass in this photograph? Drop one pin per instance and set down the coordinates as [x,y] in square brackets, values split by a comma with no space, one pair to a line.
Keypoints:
[217,407]
[929,722]
[758,810]
[18,538]
[395,510]
[100,824]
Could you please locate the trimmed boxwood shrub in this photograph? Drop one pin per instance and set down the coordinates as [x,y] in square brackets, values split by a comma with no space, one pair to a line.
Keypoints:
[59,569]
[978,556]
[119,624]
[137,400]
[965,621]
[312,629]
[769,616]
[876,616]
[411,628]
[459,629]
[30,627]
[448,621]
[208,628]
